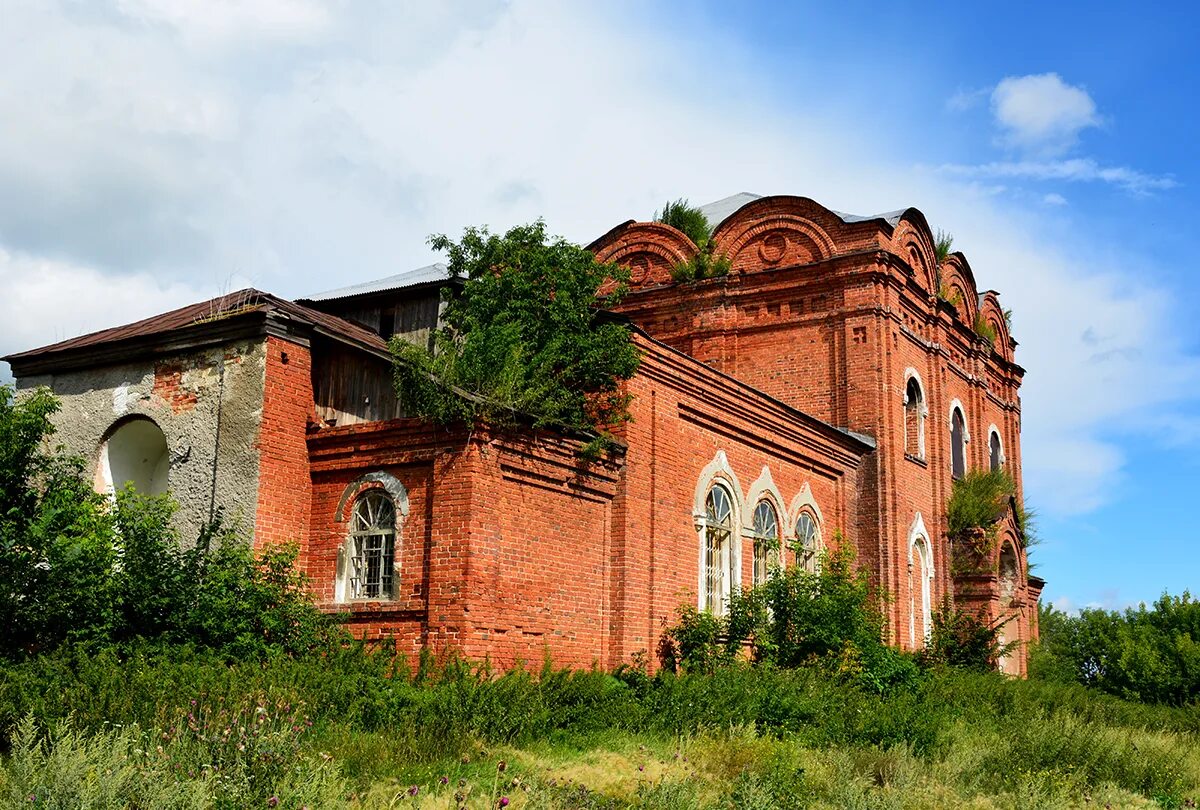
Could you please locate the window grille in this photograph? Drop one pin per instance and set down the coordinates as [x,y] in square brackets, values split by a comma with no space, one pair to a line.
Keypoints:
[807,544]
[718,531]
[372,547]
[766,541]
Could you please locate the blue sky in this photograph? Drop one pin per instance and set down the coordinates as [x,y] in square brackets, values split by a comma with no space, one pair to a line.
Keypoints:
[155,153]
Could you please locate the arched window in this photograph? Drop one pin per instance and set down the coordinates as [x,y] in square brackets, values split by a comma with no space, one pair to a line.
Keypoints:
[135,452]
[920,572]
[995,451]
[808,542]
[914,419]
[372,547]
[958,443]
[718,542]
[766,540]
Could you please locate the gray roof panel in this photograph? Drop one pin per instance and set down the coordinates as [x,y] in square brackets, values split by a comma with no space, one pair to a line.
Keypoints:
[720,210]
[430,274]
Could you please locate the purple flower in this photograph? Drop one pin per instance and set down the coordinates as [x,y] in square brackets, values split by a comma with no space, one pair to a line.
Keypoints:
[414,790]
[273,801]
[503,801]
[443,780]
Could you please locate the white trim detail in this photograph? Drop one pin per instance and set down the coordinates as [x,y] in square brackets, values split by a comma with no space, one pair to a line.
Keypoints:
[918,540]
[911,373]
[763,487]
[993,429]
[954,403]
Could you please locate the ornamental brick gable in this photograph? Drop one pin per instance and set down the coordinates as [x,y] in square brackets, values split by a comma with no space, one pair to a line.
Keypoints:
[838,374]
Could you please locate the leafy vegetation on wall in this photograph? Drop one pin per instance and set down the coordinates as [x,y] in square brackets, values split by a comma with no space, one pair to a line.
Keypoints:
[689,219]
[523,338]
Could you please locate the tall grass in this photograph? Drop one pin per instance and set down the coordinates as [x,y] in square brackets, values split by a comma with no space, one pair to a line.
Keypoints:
[770,737]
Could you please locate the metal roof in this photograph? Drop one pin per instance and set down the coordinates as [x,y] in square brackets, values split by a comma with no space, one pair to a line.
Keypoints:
[431,274]
[222,308]
[718,211]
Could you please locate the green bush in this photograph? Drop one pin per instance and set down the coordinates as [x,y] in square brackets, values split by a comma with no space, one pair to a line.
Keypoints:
[1150,654]
[687,218]
[523,337]
[977,500]
[965,640]
[79,568]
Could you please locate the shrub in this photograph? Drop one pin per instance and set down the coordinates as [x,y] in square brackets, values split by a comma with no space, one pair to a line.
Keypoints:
[965,640]
[942,245]
[687,218]
[977,500]
[523,338]
[1148,654]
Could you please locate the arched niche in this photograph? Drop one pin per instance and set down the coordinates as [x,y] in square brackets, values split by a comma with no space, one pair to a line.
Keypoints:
[649,250]
[134,451]
[958,287]
[993,313]
[778,231]
[913,242]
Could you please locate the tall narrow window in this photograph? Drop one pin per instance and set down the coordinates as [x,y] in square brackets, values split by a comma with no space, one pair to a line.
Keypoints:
[718,534]
[995,451]
[372,547]
[766,541]
[1009,572]
[920,608]
[807,542]
[914,419]
[958,444]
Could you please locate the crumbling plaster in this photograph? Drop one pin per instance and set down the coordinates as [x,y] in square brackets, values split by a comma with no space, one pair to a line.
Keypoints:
[186,395]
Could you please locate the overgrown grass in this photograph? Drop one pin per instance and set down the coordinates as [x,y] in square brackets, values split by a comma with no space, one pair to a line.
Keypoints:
[741,736]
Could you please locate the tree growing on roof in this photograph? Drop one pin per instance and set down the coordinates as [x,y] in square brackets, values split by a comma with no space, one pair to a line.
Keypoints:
[523,338]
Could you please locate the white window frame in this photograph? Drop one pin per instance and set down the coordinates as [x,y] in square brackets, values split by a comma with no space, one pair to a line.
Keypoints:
[918,562]
[995,431]
[718,472]
[768,545]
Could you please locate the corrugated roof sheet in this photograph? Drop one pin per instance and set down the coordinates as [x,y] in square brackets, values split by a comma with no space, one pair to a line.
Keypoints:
[233,305]
[422,275]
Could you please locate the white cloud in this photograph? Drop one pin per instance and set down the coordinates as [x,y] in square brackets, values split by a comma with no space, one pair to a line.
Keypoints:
[1074,170]
[1042,112]
[138,170]
[1054,199]
[46,301]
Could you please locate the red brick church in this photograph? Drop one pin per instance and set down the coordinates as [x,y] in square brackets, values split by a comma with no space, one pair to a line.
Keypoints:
[827,390]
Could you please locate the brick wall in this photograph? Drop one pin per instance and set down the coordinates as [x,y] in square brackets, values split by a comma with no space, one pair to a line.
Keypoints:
[283,478]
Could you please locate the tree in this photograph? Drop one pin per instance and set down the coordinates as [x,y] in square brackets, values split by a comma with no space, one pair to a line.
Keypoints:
[523,338]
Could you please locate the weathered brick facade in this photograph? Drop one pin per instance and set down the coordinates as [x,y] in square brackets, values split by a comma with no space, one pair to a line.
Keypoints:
[831,374]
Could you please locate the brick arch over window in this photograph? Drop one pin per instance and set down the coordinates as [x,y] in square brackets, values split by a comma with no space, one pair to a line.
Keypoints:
[717,473]
[373,507]
[385,480]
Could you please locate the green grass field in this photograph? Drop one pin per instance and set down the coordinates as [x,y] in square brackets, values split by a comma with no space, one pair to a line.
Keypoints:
[188,730]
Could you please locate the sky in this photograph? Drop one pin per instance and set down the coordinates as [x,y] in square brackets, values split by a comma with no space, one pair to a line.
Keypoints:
[154,153]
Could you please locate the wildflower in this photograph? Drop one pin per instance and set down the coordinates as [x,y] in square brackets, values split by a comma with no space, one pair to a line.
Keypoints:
[443,780]
[502,766]
[414,790]
[641,767]
[503,801]
[466,759]
[273,801]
